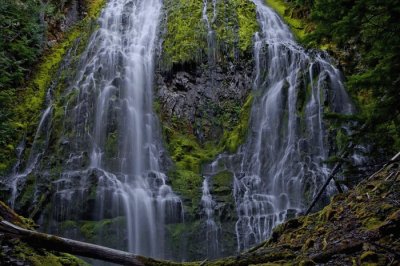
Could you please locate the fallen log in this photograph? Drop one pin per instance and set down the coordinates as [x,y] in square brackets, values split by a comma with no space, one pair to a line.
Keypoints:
[60,244]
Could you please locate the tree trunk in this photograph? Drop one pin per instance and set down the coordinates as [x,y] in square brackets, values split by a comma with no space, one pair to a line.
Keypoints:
[55,243]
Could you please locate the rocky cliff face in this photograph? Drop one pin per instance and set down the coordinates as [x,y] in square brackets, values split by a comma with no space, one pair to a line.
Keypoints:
[203,97]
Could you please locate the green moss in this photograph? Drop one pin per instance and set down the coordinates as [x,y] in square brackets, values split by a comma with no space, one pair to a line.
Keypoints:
[111,147]
[372,223]
[222,181]
[28,192]
[91,229]
[233,139]
[246,12]
[66,225]
[43,258]
[297,26]
[185,40]
[189,155]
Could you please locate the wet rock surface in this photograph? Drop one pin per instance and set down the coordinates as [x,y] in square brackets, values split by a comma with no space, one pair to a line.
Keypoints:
[208,100]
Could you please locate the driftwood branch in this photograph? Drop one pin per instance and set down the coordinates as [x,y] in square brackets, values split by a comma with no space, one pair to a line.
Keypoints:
[74,247]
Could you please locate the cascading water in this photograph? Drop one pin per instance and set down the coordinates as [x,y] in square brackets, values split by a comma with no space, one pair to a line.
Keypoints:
[118,72]
[111,137]
[211,42]
[282,163]
[284,156]
[212,228]
[21,171]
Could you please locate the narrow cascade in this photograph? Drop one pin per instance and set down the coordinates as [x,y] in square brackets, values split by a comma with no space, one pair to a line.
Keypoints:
[114,164]
[208,204]
[211,42]
[20,170]
[282,164]
[19,174]
[212,229]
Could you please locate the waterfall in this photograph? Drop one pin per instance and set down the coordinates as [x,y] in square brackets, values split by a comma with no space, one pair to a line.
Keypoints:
[284,157]
[282,163]
[110,143]
[212,229]
[118,72]
[211,42]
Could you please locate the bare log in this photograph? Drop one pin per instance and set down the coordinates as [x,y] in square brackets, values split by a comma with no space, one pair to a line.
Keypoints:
[74,247]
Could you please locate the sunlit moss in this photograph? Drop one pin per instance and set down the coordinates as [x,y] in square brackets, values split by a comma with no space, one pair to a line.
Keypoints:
[185,40]
[298,26]
[248,25]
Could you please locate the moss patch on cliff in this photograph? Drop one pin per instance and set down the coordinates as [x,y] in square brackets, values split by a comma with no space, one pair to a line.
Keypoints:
[246,13]
[234,138]
[185,40]
[189,154]
[299,25]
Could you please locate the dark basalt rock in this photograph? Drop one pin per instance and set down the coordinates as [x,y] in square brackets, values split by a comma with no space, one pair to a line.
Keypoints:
[198,95]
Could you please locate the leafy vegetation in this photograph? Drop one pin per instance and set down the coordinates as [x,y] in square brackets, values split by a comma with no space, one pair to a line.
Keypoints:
[368,30]
[20,43]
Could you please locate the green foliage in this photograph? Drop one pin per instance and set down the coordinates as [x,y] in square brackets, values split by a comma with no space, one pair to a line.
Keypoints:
[370,28]
[20,42]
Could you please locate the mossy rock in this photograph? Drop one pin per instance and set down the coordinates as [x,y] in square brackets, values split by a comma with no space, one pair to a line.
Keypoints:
[222,182]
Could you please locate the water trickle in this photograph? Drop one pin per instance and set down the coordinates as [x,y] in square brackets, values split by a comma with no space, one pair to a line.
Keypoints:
[211,41]
[212,229]
[21,170]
